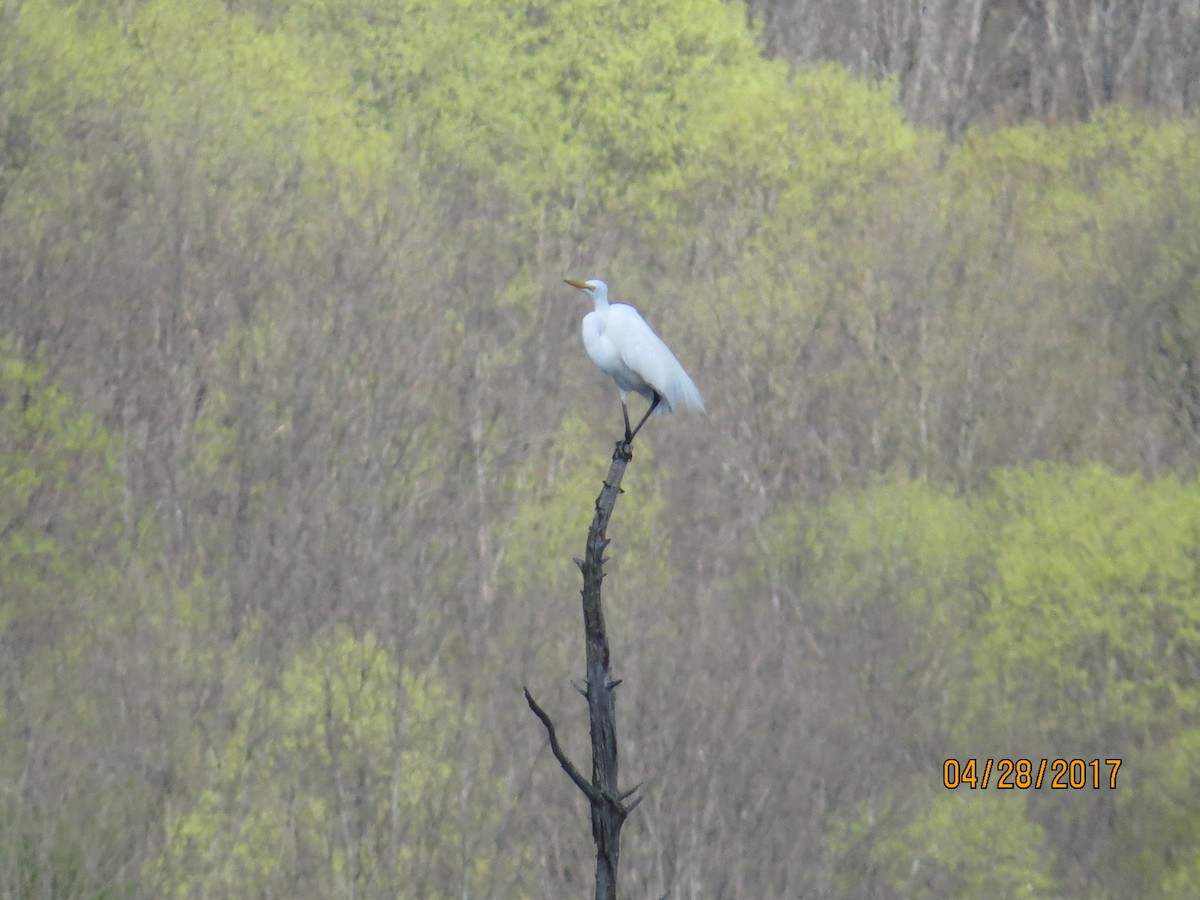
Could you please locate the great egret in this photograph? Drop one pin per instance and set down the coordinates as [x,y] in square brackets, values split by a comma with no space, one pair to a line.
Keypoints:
[628,351]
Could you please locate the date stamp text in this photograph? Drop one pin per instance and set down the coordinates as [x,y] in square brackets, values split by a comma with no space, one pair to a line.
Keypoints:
[1023,774]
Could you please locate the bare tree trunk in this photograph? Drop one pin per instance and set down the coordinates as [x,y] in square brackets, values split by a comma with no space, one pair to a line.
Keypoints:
[609,809]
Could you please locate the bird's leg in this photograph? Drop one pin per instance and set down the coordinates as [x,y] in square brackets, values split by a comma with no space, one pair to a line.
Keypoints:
[653,406]
[625,412]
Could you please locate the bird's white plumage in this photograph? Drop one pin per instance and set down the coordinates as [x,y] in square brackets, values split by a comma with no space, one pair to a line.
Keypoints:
[624,347]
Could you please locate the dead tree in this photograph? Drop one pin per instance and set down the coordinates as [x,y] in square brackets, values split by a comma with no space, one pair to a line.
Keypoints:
[608,803]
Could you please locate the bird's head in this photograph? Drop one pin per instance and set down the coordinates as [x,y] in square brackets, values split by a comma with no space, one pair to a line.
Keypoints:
[594,288]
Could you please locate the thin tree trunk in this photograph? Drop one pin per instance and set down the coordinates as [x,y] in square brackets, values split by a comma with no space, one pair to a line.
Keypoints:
[607,801]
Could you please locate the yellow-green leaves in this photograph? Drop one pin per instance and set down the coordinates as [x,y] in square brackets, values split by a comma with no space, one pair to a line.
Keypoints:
[55,64]
[907,536]
[969,845]
[299,254]
[584,108]
[1094,607]
[60,506]
[1054,614]
[1064,188]
[243,93]
[335,778]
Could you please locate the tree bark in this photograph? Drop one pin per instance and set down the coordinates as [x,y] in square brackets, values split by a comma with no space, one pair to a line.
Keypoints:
[608,807]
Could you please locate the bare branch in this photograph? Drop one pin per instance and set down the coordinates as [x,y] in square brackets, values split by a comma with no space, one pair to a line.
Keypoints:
[563,760]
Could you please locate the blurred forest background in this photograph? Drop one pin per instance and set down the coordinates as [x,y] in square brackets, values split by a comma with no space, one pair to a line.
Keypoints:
[297,441]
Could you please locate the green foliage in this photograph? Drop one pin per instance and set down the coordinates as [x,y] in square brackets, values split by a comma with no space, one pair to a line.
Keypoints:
[253,97]
[890,574]
[638,84]
[59,77]
[1066,188]
[1087,649]
[60,505]
[53,67]
[849,141]
[558,493]
[63,553]
[1181,885]
[200,225]
[1160,817]
[577,108]
[905,542]
[1055,614]
[256,111]
[969,845]
[37,866]
[1093,613]
[336,778]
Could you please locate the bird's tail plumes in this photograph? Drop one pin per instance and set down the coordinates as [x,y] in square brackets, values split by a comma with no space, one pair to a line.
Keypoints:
[685,394]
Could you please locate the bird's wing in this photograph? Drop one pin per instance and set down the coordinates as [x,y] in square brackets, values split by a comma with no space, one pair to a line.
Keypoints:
[650,358]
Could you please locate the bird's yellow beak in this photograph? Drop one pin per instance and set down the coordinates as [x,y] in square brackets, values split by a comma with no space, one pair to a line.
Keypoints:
[582,285]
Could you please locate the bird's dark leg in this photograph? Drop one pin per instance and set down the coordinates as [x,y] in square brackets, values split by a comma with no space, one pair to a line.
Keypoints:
[653,406]
[625,412]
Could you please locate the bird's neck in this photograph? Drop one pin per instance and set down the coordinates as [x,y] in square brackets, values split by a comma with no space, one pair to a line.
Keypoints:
[601,304]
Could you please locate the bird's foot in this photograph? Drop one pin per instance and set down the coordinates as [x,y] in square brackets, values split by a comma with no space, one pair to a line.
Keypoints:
[624,450]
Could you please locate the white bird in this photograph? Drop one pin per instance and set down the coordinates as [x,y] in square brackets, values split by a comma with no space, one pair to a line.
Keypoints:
[628,351]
